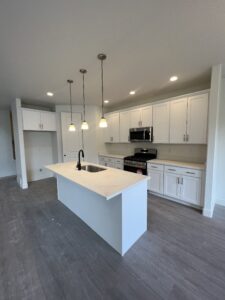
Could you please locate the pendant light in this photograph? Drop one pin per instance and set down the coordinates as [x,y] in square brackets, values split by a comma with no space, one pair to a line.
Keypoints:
[84,125]
[71,125]
[103,122]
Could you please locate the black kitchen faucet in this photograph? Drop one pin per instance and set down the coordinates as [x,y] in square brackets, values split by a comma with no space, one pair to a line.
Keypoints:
[78,162]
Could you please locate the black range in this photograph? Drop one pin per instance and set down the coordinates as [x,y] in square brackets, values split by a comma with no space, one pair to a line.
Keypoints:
[137,163]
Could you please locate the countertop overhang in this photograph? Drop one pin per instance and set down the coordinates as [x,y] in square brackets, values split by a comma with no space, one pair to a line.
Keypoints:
[108,183]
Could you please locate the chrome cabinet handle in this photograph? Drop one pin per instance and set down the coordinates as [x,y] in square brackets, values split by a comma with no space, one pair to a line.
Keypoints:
[154,167]
[171,170]
[184,138]
[178,180]
[187,139]
[190,173]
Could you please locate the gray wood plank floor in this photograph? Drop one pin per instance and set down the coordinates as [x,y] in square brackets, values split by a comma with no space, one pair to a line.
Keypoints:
[46,252]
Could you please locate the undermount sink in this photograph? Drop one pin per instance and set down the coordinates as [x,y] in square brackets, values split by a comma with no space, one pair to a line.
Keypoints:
[92,169]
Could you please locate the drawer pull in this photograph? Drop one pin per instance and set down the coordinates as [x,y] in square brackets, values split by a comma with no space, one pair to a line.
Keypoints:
[171,170]
[154,167]
[190,173]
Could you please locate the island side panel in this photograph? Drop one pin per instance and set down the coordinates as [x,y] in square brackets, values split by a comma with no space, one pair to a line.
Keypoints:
[101,215]
[134,214]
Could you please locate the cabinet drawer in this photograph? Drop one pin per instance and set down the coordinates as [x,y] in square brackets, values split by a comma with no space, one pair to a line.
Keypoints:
[192,172]
[172,169]
[155,167]
[183,171]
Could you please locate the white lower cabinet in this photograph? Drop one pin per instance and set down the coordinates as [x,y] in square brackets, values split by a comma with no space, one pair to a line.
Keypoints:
[155,185]
[171,185]
[177,183]
[191,190]
[111,162]
[156,182]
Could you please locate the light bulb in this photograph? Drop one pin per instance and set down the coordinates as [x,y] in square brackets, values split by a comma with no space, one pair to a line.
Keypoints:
[84,125]
[103,123]
[72,127]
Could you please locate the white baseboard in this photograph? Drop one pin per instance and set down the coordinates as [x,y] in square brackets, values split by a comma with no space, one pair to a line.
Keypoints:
[220,202]
[207,213]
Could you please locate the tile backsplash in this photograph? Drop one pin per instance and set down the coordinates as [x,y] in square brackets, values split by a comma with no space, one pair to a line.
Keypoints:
[186,153]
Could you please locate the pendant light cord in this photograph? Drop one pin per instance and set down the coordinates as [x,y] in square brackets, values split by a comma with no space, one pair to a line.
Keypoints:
[102,89]
[83,98]
[70,103]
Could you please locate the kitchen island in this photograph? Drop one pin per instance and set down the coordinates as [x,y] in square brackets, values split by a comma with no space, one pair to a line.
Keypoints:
[112,202]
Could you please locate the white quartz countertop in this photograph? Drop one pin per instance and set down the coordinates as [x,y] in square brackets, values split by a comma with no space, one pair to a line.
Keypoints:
[178,163]
[112,155]
[108,183]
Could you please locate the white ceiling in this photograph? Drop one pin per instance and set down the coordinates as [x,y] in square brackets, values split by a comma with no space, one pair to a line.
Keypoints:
[45,42]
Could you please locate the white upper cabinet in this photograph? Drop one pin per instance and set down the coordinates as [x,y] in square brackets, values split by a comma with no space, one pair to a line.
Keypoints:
[38,120]
[188,120]
[141,117]
[161,118]
[146,116]
[197,119]
[111,133]
[178,121]
[48,121]
[124,126]
[31,119]
[135,118]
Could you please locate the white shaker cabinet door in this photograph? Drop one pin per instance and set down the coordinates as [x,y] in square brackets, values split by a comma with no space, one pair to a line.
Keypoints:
[31,119]
[124,126]
[191,190]
[178,121]
[48,121]
[146,116]
[197,119]
[156,181]
[111,133]
[115,123]
[171,186]
[161,123]
[135,118]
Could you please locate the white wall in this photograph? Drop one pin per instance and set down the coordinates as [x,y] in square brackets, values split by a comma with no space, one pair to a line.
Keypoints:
[213,138]
[93,141]
[7,163]
[219,190]
[19,144]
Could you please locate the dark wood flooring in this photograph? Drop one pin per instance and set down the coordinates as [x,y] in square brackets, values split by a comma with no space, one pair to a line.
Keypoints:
[46,252]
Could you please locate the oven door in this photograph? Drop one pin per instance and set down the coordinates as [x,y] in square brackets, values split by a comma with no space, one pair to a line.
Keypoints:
[135,170]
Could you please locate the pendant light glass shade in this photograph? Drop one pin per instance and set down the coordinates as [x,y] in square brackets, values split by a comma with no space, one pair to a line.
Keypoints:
[71,126]
[103,122]
[84,125]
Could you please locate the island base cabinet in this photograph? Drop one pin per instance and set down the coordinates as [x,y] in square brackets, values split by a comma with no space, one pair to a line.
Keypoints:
[120,221]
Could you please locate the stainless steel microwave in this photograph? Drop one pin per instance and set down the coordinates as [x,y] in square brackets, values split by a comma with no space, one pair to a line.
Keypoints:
[143,134]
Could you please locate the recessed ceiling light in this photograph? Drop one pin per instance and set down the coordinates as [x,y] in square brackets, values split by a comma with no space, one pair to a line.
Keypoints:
[132,92]
[50,94]
[106,101]
[173,78]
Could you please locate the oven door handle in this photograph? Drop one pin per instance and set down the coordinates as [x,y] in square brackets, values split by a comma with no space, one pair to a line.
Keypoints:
[144,134]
